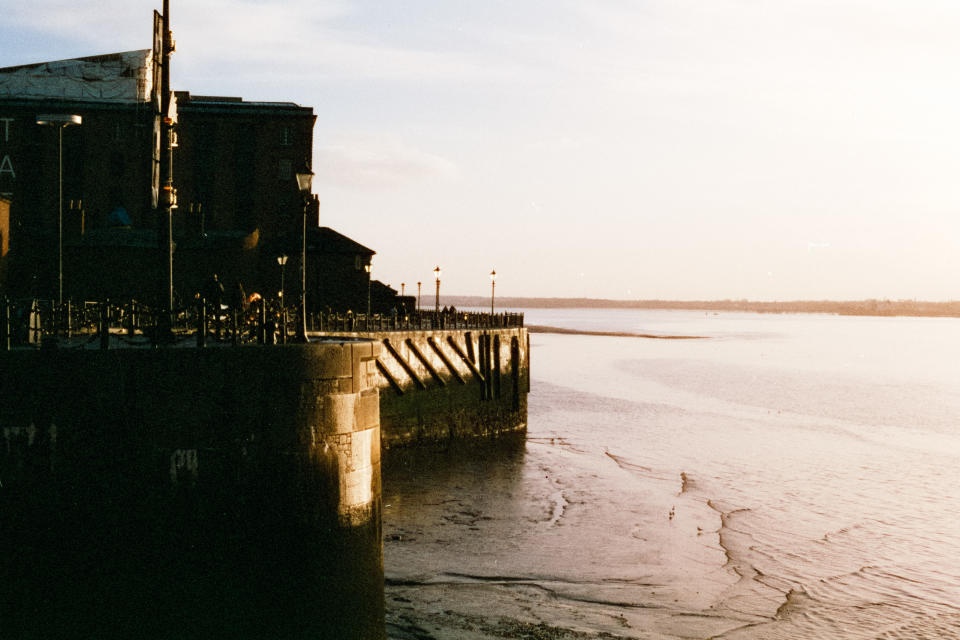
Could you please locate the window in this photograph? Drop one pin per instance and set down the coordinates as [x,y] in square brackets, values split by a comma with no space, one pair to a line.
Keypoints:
[284,169]
[285,138]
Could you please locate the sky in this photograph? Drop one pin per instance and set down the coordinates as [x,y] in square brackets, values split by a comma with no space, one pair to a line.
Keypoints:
[672,149]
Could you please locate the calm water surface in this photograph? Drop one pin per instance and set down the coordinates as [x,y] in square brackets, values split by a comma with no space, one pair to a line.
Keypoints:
[788,476]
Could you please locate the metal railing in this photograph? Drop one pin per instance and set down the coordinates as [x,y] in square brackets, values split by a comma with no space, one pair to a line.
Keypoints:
[26,323]
[422,321]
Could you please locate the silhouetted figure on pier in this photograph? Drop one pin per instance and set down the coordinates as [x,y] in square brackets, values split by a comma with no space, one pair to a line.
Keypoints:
[213,295]
[238,298]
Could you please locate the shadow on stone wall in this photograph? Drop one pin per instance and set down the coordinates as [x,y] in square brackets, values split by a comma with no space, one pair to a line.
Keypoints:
[188,494]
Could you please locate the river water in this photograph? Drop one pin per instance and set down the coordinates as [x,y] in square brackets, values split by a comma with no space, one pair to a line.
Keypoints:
[784,476]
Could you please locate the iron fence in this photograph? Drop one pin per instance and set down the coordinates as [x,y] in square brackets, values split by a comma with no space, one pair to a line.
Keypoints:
[422,321]
[32,323]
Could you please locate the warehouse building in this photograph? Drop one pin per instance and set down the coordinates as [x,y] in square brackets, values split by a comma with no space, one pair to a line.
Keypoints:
[238,204]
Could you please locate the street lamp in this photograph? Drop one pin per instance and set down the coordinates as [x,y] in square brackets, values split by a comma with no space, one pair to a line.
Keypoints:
[367,267]
[418,296]
[304,183]
[493,284]
[403,288]
[436,308]
[282,261]
[60,121]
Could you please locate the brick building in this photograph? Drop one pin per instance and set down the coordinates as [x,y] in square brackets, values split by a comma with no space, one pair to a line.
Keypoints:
[234,171]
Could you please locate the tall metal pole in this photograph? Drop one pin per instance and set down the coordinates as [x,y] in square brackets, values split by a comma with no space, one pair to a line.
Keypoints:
[493,284]
[282,261]
[418,296]
[304,184]
[60,218]
[302,327]
[168,202]
[60,309]
[368,269]
[60,121]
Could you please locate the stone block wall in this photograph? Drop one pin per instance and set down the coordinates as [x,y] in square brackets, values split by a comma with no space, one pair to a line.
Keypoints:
[438,385]
[183,493]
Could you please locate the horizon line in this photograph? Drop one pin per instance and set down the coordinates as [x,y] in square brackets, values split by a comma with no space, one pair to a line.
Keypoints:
[622,301]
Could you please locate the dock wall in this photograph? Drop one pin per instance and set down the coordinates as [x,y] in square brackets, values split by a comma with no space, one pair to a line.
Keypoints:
[187,493]
[443,384]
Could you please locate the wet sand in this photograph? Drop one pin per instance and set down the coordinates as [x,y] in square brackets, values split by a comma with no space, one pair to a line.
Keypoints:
[614,334]
[782,481]
[505,541]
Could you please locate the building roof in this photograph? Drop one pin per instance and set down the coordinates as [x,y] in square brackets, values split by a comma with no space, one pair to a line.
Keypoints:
[319,240]
[113,77]
[232,104]
[326,240]
[118,79]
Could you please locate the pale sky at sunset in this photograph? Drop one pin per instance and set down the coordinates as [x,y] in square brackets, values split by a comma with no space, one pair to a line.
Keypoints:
[671,149]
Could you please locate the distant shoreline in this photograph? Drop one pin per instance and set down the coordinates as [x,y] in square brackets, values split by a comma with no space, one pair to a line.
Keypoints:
[615,334]
[870,307]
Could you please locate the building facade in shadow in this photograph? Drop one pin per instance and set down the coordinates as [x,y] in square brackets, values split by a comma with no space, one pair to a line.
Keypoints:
[234,163]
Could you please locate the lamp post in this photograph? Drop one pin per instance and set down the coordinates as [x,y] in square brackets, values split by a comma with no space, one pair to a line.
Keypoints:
[60,121]
[418,296]
[282,261]
[436,307]
[304,183]
[367,267]
[493,284]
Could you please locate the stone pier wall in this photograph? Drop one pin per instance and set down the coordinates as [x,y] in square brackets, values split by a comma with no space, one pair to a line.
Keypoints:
[184,493]
[438,385]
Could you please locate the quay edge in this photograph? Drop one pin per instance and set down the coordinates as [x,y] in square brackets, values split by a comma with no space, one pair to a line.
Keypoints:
[188,493]
[441,385]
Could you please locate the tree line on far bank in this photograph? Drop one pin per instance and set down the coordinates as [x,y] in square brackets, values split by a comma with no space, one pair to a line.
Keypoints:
[869,307]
